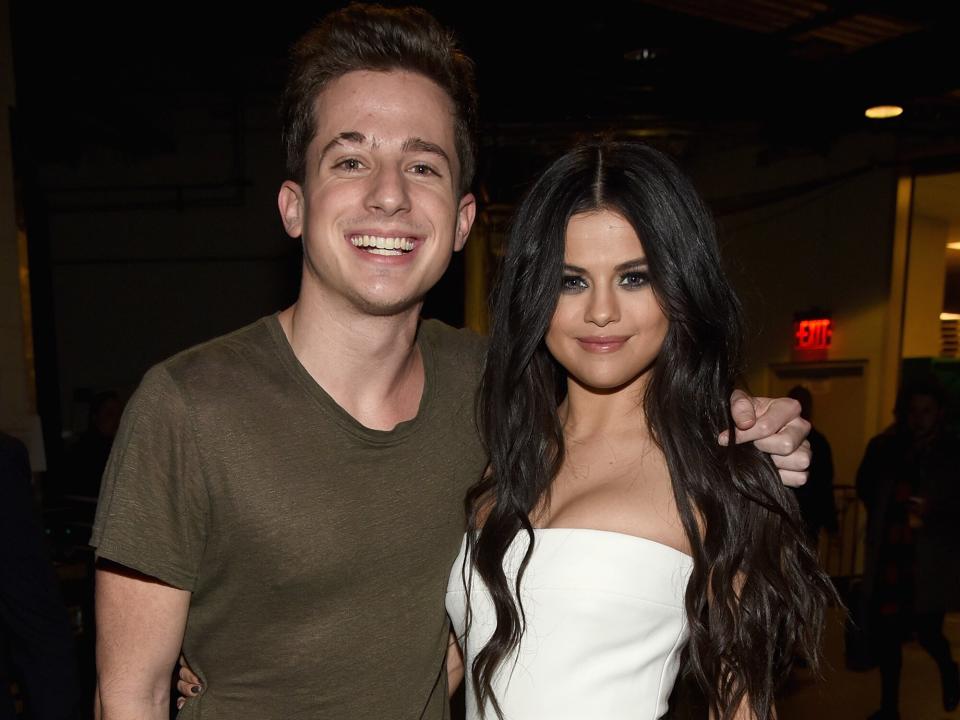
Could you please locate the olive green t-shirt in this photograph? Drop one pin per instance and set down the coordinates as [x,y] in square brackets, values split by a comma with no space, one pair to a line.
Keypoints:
[316,550]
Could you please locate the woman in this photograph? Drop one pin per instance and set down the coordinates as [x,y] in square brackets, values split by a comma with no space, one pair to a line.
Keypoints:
[611,529]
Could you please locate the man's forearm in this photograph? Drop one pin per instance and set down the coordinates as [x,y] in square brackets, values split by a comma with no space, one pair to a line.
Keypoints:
[140,625]
[130,703]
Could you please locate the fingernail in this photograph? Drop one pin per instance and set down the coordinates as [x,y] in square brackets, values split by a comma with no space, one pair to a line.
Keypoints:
[180,703]
[196,689]
[723,438]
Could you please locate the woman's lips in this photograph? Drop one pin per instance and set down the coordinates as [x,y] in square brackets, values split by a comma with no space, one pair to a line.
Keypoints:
[602,343]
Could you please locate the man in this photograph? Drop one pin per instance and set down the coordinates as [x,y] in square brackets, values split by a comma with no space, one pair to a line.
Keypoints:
[285,502]
[87,457]
[35,634]
[815,498]
[908,481]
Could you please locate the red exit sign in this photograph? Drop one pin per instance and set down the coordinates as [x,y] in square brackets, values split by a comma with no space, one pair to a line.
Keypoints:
[814,334]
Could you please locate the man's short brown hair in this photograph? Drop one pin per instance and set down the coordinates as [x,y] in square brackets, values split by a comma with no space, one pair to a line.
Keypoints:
[372,37]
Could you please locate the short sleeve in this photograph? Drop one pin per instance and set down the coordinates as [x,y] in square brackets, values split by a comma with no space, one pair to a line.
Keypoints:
[153,508]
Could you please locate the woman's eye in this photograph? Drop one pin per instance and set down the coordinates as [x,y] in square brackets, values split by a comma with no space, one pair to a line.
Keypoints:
[633,279]
[573,283]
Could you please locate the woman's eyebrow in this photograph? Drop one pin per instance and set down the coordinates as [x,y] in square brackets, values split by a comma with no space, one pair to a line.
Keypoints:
[630,264]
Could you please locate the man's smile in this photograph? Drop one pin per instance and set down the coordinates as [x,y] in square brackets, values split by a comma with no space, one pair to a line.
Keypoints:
[383,245]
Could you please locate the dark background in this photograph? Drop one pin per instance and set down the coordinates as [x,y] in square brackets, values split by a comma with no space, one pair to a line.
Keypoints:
[148,158]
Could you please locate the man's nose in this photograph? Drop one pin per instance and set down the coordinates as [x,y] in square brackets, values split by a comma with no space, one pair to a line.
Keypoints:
[388,190]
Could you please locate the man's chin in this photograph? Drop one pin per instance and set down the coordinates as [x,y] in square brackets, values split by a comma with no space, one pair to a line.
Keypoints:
[387,307]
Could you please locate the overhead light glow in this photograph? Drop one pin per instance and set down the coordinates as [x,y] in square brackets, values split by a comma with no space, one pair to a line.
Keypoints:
[641,54]
[950,316]
[882,112]
[953,246]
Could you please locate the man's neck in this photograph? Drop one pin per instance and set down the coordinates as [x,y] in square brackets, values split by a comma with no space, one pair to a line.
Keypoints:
[370,365]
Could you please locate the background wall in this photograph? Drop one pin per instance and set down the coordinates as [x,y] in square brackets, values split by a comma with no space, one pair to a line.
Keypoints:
[16,380]
[819,235]
[925,285]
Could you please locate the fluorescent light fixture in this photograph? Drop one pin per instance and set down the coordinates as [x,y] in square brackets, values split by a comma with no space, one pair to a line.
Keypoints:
[882,112]
[953,246]
[950,316]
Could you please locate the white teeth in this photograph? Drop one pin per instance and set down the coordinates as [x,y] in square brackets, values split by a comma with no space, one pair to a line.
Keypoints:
[383,251]
[382,243]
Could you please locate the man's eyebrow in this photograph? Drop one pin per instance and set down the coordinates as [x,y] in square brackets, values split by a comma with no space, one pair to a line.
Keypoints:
[351,136]
[417,144]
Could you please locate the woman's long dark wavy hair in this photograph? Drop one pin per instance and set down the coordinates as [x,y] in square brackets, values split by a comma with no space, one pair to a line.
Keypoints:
[756,595]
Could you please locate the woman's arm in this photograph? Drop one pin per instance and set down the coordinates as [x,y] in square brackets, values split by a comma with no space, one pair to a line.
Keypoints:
[455,667]
[188,684]
[743,712]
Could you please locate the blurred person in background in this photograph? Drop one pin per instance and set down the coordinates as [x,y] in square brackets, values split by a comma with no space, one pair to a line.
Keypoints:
[36,642]
[817,506]
[908,481]
[87,458]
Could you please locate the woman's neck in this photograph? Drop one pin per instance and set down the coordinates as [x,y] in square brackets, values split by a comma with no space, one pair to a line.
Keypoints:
[588,412]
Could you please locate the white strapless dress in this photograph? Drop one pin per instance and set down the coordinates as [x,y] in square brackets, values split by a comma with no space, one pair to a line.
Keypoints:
[605,627]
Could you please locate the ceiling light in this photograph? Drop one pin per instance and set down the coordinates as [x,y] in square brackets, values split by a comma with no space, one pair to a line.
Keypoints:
[950,316]
[953,245]
[882,112]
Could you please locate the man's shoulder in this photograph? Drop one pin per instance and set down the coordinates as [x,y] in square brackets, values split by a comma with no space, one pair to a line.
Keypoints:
[454,343]
[888,444]
[226,353]
[215,366]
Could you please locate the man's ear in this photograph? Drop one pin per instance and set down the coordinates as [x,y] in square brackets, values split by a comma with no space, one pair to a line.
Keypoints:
[291,204]
[465,217]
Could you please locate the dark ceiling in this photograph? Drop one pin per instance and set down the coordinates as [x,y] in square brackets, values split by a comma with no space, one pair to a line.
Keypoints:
[787,74]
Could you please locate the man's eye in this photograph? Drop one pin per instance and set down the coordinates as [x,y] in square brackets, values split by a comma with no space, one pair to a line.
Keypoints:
[350,164]
[634,279]
[423,169]
[573,283]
